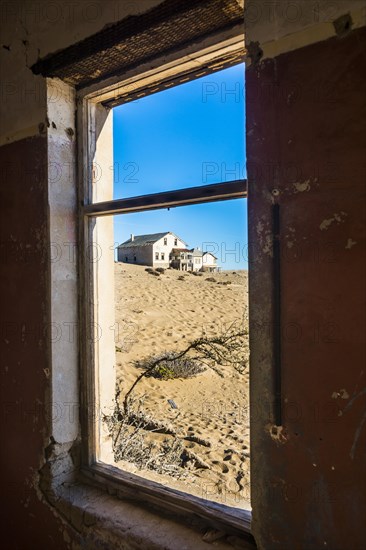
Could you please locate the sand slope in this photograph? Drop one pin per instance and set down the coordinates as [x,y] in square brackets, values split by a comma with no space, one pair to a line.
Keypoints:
[165,313]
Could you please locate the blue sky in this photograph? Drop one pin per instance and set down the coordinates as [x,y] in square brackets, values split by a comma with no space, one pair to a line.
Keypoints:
[189,135]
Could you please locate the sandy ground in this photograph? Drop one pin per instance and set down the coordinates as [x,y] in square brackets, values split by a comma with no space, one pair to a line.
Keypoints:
[165,313]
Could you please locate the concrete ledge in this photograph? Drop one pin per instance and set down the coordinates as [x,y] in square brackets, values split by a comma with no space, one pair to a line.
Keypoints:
[105,521]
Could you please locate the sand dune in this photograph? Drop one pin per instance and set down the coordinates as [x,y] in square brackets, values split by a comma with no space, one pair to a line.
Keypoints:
[208,413]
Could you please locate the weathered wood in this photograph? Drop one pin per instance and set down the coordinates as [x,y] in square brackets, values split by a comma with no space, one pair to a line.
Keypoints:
[231,520]
[236,189]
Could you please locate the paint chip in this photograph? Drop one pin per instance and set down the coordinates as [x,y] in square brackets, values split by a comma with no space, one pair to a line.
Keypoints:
[343,394]
[339,218]
[277,433]
[350,244]
[300,187]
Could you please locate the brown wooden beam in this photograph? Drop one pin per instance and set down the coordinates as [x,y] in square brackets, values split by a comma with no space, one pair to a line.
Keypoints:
[236,189]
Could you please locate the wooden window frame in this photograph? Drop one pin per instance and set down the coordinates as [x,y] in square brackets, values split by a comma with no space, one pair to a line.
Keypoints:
[124,483]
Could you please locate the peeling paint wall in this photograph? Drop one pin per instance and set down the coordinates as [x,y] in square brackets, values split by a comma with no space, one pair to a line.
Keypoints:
[39,393]
[33,29]
[305,150]
[24,359]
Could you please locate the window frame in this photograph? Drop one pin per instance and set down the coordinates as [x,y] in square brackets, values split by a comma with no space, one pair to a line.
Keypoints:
[125,483]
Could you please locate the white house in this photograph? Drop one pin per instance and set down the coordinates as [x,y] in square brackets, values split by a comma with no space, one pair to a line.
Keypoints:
[165,250]
[197,257]
[209,262]
[186,259]
[153,250]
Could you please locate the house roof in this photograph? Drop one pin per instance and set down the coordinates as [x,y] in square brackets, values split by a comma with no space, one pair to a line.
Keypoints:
[213,255]
[197,253]
[144,240]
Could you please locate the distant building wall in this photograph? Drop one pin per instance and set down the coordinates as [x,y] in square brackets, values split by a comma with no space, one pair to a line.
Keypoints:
[197,263]
[209,262]
[140,255]
[160,248]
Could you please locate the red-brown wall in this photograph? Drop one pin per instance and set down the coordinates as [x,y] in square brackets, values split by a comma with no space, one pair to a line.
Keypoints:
[26,522]
[306,138]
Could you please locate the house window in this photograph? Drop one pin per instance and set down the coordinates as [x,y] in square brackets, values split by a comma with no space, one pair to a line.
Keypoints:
[115,439]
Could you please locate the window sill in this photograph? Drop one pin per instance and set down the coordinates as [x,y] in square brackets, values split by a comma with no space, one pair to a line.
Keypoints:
[106,521]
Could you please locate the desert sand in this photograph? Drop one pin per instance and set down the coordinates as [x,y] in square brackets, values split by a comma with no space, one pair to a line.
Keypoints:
[207,414]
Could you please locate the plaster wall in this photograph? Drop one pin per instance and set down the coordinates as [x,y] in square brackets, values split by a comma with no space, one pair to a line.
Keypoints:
[306,128]
[38,356]
[33,29]
[144,255]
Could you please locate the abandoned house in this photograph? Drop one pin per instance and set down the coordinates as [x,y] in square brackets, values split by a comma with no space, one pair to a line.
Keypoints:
[182,259]
[165,250]
[193,259]
[152,250]
[64,66]
[209,262]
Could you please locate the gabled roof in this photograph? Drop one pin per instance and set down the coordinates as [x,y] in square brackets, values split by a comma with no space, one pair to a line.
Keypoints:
[211,254]
[197,253]
[144,240]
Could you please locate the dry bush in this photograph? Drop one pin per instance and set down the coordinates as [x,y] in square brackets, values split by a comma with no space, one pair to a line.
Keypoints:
[170,367]
[132,429]
[228,348]
[131,433]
